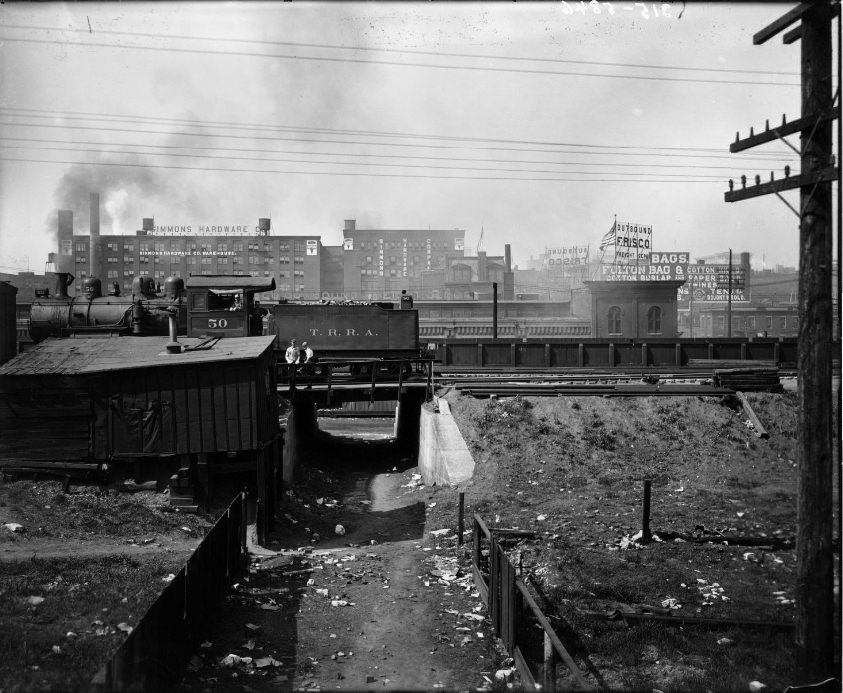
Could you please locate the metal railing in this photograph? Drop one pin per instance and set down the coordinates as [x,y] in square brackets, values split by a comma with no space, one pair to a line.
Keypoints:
[153,656]
[516,619]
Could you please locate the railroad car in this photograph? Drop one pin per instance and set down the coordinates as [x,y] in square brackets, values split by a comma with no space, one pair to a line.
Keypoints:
[227,306]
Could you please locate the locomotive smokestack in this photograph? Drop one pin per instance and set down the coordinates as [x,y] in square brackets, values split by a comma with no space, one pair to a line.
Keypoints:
[173,346]
[93,252]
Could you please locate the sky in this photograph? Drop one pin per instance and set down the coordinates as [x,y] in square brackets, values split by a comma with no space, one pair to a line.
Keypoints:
[532,124]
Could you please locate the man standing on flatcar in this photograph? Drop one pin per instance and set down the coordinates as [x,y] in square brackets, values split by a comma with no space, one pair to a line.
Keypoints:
[308,353]
[292,353]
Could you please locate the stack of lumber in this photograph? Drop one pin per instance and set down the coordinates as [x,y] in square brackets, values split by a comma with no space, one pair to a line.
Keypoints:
[753,379]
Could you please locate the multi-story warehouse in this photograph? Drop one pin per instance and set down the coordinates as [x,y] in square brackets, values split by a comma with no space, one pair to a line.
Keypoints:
[182,251]
[382,263]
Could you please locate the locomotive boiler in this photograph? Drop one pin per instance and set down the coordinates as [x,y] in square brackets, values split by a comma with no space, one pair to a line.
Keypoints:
[145,312]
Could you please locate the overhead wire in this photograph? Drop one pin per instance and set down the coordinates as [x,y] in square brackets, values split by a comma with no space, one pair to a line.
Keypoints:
[347,173]
[402,51]
[364,61]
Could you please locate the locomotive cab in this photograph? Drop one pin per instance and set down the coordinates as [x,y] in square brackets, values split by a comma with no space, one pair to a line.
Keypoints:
[225,306]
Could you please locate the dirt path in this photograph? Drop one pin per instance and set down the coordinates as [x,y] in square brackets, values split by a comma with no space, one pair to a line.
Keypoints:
[386,606]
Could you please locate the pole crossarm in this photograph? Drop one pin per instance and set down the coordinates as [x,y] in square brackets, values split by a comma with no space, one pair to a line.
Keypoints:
[825,175]
[781,24]
[798,125]
[795,34]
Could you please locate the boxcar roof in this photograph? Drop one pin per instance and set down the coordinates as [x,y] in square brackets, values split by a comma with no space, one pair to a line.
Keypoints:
[211,281]
[83,355]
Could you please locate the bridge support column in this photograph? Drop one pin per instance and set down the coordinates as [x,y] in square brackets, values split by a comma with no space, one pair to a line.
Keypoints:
[304,417]
[407,416]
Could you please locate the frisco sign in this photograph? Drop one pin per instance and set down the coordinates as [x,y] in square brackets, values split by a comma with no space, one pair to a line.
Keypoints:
[568,255]
[633,241]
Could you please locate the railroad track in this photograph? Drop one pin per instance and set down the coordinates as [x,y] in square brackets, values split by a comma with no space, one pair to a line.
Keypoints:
[550,383]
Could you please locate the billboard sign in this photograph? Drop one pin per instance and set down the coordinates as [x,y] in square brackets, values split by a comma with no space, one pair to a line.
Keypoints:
[706,283]
[567,256]
[661,267]
[633,242]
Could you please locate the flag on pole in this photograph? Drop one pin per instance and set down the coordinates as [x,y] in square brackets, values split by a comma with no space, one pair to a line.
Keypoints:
[609,238]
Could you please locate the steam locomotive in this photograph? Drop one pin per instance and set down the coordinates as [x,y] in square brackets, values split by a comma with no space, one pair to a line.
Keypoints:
[226,306]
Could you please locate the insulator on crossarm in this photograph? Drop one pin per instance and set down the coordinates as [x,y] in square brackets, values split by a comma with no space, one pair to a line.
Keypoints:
[757,179]
[751,132]
[784,120]
[767,126]
[738,136]
[743,181]
[787,171]
[772,177]
[731,185]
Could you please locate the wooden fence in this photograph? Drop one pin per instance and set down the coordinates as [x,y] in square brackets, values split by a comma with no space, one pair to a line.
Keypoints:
[153,656]
[516,618]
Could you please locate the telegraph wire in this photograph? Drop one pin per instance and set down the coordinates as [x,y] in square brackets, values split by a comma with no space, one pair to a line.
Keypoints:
[364,61]
[402,51]
[370,144]
[98,117]
[355,163]
[100,150]
[349,173]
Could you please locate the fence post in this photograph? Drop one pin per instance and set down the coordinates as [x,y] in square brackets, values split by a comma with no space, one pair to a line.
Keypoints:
[461,519]
[549,668]
[645,519]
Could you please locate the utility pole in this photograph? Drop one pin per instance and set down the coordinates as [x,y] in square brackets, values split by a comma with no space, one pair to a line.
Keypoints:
[815,580]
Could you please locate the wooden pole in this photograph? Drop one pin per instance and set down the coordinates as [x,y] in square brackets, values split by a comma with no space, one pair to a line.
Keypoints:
[814,584]
[461,519]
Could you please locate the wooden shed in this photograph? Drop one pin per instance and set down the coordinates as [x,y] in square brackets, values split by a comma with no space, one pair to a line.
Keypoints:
[112,401]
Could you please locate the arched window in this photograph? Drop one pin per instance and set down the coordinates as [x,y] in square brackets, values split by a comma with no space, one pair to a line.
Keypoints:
[614,317]
[654,320]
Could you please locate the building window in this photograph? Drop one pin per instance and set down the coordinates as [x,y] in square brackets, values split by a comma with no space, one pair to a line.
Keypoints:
[207,260]
[191,260]
[614,318]
[284,260]
[254,260]
[298,273]
[237,261]
[112,247]
[112,274]
[129,248]
[299,287]
[81,260]
[269,261]
[768,322]
[750,322]
[783,323]
[128,258]
[282,275]
[81,247]
[298,259]
[298,246]
[112,260]
[222,248]
[237,247]
[284,246]
[654,320]
[144,248]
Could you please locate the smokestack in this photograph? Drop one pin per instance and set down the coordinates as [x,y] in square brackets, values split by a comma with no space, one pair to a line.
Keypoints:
[93,251]
[507,258]
[65,238]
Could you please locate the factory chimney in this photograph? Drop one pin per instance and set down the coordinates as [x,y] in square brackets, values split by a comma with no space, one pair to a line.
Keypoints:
[65,237]
[94,251]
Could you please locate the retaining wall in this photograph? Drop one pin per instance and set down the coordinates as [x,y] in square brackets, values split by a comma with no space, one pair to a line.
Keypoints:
[443,455]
